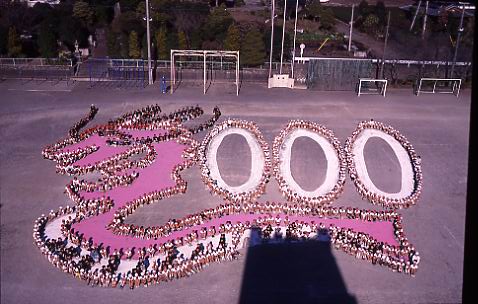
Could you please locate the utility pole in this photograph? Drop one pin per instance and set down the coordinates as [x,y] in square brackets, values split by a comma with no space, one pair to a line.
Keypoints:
[351,26]
[283,35]
[148,36]
[272,36]
[295,34]
[416,14]
[460,31]
[425,20]
[385,46]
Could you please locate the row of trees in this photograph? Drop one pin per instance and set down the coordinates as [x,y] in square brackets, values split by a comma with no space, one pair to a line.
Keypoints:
[41,29]
[176,25]
[44,30]
[252,45]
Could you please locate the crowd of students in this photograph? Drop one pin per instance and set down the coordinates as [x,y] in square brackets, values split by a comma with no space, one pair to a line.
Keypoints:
[345,157]
[284,186]
[79,255]
[211,182]
[147,118]
[75,254]
[375,198]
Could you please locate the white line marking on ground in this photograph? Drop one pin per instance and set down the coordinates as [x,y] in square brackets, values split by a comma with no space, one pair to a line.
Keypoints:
[453,236]
[35,90]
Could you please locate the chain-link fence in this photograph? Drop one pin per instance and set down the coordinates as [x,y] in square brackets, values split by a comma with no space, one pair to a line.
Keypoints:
[115,72]
[316,73]
[337,74]
[42,69]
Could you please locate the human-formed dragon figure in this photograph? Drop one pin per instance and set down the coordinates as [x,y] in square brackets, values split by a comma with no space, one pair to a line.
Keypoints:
[138,159]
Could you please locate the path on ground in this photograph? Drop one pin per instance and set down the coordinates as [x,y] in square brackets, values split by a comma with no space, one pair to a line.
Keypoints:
[375,46]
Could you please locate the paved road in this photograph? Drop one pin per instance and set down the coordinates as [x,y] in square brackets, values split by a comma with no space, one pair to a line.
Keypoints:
[376,46]
[437,126]
[371,2]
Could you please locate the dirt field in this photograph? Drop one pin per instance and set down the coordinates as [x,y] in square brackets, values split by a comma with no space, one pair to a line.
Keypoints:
[32,116]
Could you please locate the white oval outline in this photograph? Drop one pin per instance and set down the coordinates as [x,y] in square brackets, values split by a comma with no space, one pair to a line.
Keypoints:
[319,132]
[407,178]
[212,178]
[333,168]
[364,186]
[258,162]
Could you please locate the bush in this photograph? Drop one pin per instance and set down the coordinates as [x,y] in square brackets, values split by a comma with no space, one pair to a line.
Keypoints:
[364,9]
[370,24]
[320,13]
[327,19]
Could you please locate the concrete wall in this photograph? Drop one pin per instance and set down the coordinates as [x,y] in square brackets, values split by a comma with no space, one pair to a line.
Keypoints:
[196,75]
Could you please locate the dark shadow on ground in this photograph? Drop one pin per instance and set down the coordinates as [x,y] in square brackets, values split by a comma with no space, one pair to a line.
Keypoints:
[292,272]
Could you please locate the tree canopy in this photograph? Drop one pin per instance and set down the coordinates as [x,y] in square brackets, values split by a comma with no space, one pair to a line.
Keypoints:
[84,12]
[324,15]
[14,45]
[162,43]
[278,42]
[233,38]
[253,51]
[182,40]
[216,25]
[134,49]
[47,44]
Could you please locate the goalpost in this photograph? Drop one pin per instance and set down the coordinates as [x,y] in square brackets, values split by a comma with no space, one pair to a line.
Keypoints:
[204,54]
[439,85]
[368,86]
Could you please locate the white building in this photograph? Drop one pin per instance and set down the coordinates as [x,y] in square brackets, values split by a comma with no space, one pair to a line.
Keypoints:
[31,3]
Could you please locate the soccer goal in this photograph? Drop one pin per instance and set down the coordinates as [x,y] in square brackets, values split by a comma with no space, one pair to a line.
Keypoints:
[439,85]
[215,62]
[368,86]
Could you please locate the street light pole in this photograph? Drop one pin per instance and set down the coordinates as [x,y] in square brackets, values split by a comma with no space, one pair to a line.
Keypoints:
[148,36]
[425,20]
[295,35]
[385,46]
[272,36]
[351,28]
[283,35]
[458,36]
[415,16]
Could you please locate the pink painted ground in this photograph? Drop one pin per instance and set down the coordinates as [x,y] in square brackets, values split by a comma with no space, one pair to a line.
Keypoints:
[158,176]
